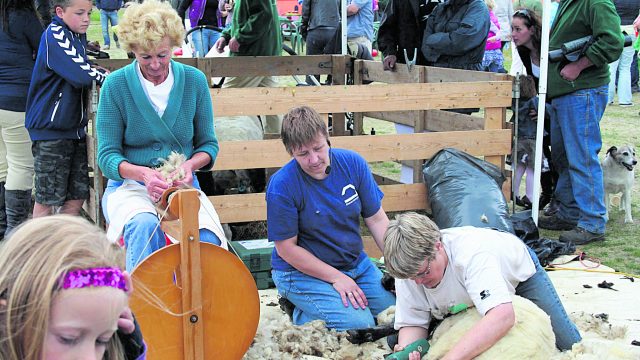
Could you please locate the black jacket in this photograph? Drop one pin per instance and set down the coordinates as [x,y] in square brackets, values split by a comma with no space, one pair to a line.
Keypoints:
[627,10]
[456,34]
[317,14]
[401,28]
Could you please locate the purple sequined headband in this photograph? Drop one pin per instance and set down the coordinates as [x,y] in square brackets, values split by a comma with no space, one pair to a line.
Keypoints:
[94,277]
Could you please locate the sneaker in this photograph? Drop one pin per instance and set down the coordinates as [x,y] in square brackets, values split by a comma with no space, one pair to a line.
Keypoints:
[106,47]
[524,202]
[580,236]
[626,105]
[554,223]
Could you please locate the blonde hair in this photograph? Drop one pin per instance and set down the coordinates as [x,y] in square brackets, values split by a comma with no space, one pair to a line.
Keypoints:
[410,239]
[490,4]
[144,26]
[32,262]
[300,126]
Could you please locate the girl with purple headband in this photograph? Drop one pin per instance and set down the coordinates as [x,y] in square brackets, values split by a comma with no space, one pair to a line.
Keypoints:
[64,295]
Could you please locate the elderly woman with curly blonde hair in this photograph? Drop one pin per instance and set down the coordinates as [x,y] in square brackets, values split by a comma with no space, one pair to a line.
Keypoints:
[147,110]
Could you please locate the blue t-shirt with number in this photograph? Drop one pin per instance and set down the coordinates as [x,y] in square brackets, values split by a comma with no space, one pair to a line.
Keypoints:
[324,214]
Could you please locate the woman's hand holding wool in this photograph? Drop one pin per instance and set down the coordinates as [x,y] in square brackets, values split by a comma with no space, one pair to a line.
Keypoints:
[155,184]
[184,175]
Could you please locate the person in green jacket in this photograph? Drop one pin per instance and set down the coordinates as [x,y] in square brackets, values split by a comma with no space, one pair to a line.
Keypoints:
[578,92]
[254,31]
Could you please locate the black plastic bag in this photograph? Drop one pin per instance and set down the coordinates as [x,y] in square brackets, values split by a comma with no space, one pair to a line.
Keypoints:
[546,249]
[465,191]
[523,225]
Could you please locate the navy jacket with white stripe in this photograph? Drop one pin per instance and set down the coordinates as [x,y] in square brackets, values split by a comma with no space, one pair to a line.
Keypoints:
[62,77]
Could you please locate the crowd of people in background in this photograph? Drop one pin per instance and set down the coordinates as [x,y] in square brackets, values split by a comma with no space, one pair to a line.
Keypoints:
[321,270]
[44,84]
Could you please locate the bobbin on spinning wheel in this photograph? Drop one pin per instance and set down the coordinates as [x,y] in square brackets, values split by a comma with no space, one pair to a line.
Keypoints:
[194,300]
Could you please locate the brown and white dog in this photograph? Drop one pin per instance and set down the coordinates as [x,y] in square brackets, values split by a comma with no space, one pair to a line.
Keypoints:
[618,173]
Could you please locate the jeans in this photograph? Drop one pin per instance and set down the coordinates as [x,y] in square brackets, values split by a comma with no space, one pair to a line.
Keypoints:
[576,141]
[316,299]
[142,234]
[203,41]
[107,16]
[541,292]
[623,67]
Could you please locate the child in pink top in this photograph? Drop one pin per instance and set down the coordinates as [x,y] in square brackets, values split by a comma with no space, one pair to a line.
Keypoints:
[493,59]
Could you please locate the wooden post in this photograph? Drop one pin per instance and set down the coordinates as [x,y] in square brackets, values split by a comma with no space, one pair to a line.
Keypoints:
[206,67]
[494,118]
[325,120]
[92,205]
[419,125]
[187,204]
[358,117]
[338,72]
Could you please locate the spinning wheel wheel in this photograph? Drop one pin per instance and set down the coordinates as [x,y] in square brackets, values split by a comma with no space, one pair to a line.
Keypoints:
[194,300]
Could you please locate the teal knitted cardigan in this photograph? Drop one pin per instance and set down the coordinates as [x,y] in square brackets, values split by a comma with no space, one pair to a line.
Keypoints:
[129,129]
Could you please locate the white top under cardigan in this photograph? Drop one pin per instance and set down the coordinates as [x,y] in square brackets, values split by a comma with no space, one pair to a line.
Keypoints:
[131,198]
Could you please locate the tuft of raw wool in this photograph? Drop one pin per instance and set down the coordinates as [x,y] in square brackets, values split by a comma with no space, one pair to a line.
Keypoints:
[600,340]
[169,165]
[531,337]
[598,324]
[278,338]
[387,316]
[599,349]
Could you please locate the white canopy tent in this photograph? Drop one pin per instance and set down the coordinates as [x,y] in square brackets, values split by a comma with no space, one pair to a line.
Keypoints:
[542,95]
[343,15]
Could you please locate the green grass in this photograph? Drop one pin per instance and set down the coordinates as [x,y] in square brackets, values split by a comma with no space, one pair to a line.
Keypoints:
[621,250]
[94,33]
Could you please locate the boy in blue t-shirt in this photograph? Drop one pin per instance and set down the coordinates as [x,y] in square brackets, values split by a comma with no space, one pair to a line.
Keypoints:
[56,115]
[314,205]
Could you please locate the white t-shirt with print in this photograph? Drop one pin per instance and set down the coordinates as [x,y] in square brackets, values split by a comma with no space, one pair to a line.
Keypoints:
[485,267]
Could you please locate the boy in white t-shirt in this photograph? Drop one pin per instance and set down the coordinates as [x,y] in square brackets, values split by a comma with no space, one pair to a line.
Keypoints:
[479,267]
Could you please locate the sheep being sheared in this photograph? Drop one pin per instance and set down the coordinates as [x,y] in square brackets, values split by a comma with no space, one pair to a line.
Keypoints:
[530,338]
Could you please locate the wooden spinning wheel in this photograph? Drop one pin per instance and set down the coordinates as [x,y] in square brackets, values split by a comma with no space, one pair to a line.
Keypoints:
[209,305]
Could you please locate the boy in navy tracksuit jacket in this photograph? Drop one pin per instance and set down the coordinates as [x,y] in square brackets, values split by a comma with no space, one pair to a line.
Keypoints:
[56,115]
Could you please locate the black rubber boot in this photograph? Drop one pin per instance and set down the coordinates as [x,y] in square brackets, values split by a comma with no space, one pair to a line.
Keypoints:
[548,185]
[18,207]
[3,213]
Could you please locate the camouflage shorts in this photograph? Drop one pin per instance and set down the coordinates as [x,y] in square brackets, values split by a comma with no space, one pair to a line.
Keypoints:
[61,168]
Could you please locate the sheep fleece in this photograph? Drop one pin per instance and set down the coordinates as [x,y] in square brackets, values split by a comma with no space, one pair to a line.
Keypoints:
[530,338]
